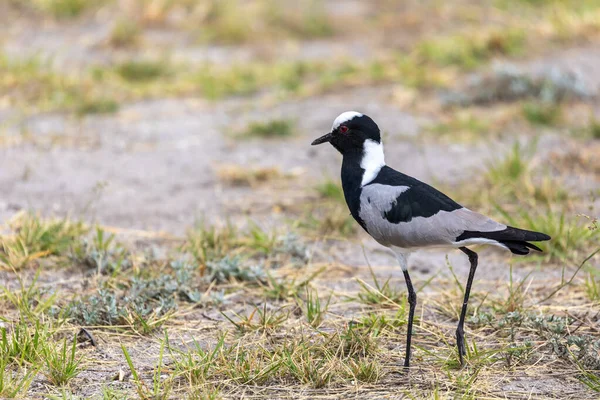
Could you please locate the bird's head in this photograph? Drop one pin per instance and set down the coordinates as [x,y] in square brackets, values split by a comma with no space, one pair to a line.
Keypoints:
[349,132]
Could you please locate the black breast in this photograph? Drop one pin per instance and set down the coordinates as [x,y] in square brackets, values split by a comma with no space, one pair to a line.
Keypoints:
[352,175]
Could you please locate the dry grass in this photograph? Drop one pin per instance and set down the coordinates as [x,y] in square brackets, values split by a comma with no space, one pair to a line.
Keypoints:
[226,339]
[238,175]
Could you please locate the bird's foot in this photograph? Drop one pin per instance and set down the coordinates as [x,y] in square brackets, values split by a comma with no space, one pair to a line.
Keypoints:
[462,352]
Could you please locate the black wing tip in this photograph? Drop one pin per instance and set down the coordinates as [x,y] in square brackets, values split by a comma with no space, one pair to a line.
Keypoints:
[520,247]
[524,234]
[544,237]
[533,247]
[514,239]
[510,234]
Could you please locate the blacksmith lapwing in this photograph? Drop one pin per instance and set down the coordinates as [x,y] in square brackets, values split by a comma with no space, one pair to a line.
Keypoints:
[405,214]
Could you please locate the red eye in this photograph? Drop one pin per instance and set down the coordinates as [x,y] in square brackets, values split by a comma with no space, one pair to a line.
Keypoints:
[343,129]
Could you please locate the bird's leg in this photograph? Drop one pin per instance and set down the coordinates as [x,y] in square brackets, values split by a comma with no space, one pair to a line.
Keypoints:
[412,301]
[460,335]
[402,258]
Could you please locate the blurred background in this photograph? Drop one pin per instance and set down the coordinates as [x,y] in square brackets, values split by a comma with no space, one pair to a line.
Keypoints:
[152,114]
[182,128]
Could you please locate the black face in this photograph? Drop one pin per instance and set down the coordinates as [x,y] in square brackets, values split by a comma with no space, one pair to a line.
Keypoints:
[350,135]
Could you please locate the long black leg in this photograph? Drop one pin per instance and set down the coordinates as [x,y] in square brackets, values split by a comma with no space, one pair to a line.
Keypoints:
[460,334]
[412,301]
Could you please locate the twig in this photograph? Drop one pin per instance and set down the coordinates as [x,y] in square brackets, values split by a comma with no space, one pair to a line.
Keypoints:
[562,285]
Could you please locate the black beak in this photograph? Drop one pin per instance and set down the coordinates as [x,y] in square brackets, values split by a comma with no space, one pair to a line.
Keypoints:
[322,139]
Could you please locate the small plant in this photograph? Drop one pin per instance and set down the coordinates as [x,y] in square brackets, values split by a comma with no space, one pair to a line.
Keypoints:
[142,71]
[235,175]
[260,241]
[462,126]
[63,8]
[225,23]
[247,365]
[378,324]
[24,344]
[470,51]
[218,250]
[594,128]
[238,80]
[304,365]
[330,190]
[101,253]
[227,268]
[209,243]
[315,22]
[204,393]
[14,255]
[592,286]
[282,289]
[513,167]
[145,321]
[275,128]
[125,33]
[196,363]
[97,106]
[161,387]
[314,312]
[36,238]
[143,306]
[510,181]
[353,342]
[12,382]
[516,296]
[380,294]
[364,370]
[30,300]
[266,319]
[333,221]
[62,364]
[476,357]
[109,393]
[542,114]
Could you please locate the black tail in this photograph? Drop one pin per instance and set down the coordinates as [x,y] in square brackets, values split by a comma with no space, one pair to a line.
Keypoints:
[515,239]
[519,247]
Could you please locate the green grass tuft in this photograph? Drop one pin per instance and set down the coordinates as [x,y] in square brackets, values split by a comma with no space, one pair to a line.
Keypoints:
[313,309]
[97,106]
[64,8]
[260,319]
[471,50]
[62,364]
[37,238]
[142,71]
[462,126]
[125,33]
[332,190]
[23,346]
[161,386]
[14,383]
[542,114]
[275,128]
[592,286]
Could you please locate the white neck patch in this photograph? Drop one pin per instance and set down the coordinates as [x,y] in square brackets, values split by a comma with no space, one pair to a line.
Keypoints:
[344,117]
[372,160]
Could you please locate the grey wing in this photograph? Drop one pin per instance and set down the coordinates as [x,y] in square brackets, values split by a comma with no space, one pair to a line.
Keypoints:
[424,220]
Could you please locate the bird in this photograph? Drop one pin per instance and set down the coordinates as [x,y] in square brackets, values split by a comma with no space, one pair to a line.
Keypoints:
[405,214]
